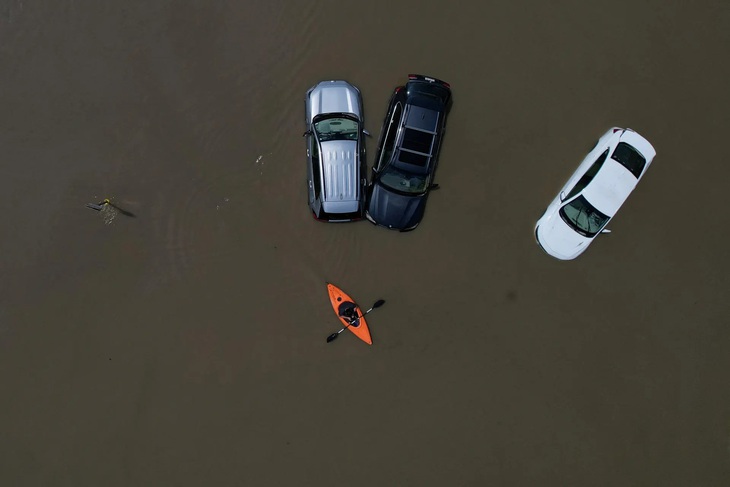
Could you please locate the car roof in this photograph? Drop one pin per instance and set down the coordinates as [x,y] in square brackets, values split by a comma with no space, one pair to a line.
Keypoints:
[610,188]
[416,144]
[614,182]
[422,118]
[340,176]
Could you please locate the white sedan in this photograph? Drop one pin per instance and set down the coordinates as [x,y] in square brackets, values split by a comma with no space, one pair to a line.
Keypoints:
[594,193]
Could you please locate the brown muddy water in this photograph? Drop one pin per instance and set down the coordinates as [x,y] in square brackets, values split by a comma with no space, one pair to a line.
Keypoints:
[186,346]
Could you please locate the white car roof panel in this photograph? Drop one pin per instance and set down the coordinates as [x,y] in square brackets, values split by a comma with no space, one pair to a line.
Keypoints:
[610,188]
[340,167]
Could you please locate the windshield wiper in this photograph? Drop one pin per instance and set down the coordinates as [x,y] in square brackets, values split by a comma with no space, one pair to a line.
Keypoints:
[577,225]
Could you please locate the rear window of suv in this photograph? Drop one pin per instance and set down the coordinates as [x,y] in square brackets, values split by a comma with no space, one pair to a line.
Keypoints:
[630,158]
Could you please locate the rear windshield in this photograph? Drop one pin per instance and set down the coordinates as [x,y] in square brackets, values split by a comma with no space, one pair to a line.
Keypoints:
[630,158]
[433,89]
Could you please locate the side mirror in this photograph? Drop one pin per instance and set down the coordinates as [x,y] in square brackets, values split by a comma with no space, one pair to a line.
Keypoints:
[366,132]
[605,230]
[308,132]
[562,196]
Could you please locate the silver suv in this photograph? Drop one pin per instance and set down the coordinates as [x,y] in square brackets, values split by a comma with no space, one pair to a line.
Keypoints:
[335,140]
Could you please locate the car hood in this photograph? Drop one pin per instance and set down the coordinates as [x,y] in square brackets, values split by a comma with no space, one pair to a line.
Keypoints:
[335,97]
[559,240]
[394,210]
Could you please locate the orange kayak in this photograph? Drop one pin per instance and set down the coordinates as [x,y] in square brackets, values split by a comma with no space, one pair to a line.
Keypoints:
[341,302]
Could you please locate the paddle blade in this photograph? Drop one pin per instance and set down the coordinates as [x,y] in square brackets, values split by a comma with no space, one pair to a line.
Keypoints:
[332,337]
[379,303]
[120,210]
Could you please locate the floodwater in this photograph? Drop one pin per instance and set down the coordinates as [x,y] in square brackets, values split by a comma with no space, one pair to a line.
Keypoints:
[186,345]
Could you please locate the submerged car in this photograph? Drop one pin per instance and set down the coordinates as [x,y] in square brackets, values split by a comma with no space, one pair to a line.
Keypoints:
[407,154]
[335,141]
[594,193]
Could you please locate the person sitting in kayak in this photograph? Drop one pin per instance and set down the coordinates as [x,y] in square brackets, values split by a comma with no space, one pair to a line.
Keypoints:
[350,314]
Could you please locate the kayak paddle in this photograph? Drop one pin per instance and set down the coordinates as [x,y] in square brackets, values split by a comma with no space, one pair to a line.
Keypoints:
[100,206]
[120,210]
[377,304]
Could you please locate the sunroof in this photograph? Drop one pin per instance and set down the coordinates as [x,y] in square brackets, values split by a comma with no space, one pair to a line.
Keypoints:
[418,141]
[413,158]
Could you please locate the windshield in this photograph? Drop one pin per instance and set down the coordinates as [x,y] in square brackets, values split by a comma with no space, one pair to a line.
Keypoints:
[583,217]
[338,128]
[402,181]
